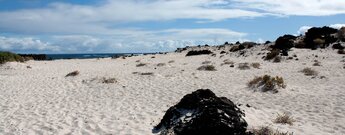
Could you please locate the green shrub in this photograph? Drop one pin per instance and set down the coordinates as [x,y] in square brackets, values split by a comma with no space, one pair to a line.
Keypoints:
[9,57]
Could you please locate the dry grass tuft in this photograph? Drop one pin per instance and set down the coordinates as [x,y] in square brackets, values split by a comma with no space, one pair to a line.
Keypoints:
[271,55]
[161,64]
[146,73]
[284,119]
[243,66]
[265,130]
[309,72]
[317,64]
[74,73]
[256,65]
[206,62]
[108,80]
[227,62]
[207,68]
[141,64]
[267,83]
[277,59]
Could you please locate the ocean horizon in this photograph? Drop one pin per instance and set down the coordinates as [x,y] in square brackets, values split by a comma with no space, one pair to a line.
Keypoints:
[88,55]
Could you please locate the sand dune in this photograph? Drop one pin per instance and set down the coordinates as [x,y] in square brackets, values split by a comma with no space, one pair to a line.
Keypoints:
[41,100]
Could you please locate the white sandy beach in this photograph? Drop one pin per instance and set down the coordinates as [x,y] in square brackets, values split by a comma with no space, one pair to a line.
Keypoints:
[41,100]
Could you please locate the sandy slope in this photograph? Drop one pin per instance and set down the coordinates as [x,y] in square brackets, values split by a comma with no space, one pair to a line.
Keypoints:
[41,100]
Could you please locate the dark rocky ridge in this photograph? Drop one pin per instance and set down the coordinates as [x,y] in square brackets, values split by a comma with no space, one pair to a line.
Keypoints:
[203,113]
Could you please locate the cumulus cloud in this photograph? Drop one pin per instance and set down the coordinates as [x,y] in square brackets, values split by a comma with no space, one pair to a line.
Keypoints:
[26,45]
[337,26]
[131,41]
[303,30]
[81,19]
[294,7]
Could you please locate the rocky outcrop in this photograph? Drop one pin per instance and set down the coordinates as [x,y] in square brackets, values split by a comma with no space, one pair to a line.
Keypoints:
[203,113]
[285,42]
[320,37]
[201,52]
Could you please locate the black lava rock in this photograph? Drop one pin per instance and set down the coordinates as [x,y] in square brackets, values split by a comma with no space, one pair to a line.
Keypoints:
[338,46]
[203,113]
[285,42]
[202,52]
[323,33]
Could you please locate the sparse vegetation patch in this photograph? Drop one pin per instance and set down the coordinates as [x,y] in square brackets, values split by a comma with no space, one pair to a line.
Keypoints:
[207,68]
[141,64]
[267,83]
[243,66]
[256,65]
[10,57]
[284,119]
[309,72]
[265,130]
[161,64]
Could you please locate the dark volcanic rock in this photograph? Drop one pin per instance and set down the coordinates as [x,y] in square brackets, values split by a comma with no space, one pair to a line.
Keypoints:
[285,42]
[338,46]
[323,34]
[203,113]
[202,52]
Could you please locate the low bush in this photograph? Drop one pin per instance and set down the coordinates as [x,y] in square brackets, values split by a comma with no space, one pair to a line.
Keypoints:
[207,68]
[309,72]
[146,73]
[161,64]
[273,54]
[108,80]
[243,66]
[206,62]
[265,130]
[10,57]
[317,63]
[227,62]
[236,48]
[256,65]
[284,119]
[267,83]
[277,59]
[141,64]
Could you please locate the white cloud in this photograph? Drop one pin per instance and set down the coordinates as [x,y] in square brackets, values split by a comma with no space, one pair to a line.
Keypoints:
[295,7]
[303,30]
[84,19]
[337,26]
[26,44]
[131,41]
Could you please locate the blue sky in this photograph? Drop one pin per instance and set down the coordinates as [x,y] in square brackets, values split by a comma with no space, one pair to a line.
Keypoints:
[117,26]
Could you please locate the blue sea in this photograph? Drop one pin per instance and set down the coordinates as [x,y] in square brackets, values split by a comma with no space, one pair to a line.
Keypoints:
[88,56]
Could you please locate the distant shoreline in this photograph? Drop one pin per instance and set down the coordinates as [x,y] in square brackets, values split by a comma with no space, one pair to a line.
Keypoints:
[79,55]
